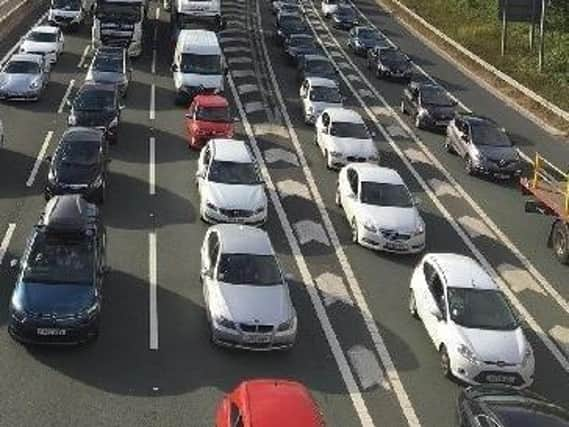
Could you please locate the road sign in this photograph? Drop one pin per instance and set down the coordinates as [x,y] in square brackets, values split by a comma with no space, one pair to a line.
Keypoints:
[520,10]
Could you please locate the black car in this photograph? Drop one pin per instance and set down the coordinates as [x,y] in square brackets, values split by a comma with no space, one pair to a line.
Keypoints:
[389,62]
[500,406]
[298,45]
[344,17]
[58,293]
[97,105]
[79,165]
[428,104]
[316,66]
[277,5]
[289,24]
[361,39]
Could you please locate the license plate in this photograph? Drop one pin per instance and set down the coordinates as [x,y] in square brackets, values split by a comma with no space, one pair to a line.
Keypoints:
[257,339]
[396,246]
[441,123]
[500,379]
[51,331]
[502,176]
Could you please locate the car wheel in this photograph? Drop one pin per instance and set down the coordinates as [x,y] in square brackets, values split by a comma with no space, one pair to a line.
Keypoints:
[100,198]
[448,146]
[355,234]
[403,109]
[468,166]
[338,198]
[445,362]
[328,158]
[418,122]
[413,304]
[560,242]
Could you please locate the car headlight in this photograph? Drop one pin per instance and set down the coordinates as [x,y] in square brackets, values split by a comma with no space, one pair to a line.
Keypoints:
[211,206]
[34,85]
[370,226]
[225,322]
[358,43]
[335,154]
[51,177]
[420,229]
[72,120]
[467,354]
[18,314]
[259,209]
[373,158]
[90,311]
[528,356]
[98,182]
[285,326]
[423,112]
[114,123]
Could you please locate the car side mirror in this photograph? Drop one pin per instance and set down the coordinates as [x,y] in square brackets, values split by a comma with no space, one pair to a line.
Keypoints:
[68,102]
[200,174]
[373,134]
[417,201]
[236,119]
[16,263]
[206,272]
[289,277]
[48,159]
[436,312]
[225,71]
[188,116]
[174,68]
[464,137]
[122,107]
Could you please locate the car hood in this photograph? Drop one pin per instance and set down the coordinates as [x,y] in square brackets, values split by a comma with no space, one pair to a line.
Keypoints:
[493,346]
[440,111]
[369,43]
[498,153]
[65,12]
[93,118]
[73,174]
[321,106]
[397,67]
[30,46]
[17,81]
[267,305]
[403,220]
[104,76]
[233,196]
[64,299]
[354,146]
[214,81]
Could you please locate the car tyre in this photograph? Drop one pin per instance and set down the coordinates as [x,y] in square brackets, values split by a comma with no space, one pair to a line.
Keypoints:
[328,158]
[448,146]
[402,107]
[418,122]
[355,234]
[560,242]
[445,362]
[413,304]
[338,199]
[469,167]
[101,194]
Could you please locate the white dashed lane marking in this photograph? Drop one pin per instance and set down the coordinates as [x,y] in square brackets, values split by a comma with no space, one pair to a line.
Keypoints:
[253,107]
[274,155]
[442,188]
[333,289]
[309,231]
[519,279]
[353,78]
[289,188]
[247,88]
[367,368]
[416,156]
[237,49]
[396,131]
[240,60]
[561,336]
[234,39]
[239,74]
[475,227]
[366,93]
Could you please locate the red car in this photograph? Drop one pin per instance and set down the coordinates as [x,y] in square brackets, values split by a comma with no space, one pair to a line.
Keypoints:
[269,403]
[209,117]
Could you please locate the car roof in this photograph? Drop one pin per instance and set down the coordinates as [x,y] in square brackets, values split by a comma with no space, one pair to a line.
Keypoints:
[67,213]
[243,239]
[46,29]
[211,100]
[90,85]
[320,81]
[278,403]
[199,41]
[230,150]
[461,271]
[374,173]
[83,133]
[343,115]
[31,57]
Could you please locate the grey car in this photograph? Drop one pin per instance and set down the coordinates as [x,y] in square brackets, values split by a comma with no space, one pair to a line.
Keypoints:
[24,77]
[484,146]
[246,296]
[111,67]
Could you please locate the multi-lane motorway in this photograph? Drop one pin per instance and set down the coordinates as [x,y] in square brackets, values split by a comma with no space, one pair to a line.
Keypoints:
[364,358]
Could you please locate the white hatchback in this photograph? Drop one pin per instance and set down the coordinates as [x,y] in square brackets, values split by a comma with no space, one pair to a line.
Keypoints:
[329,7]
[380,209]
[44,40]
[318,94]
[344,138]
[477,334]
[230,187]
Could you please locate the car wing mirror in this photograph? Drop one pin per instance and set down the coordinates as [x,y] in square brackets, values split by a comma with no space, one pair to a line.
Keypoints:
[48,159]
[436,312]
[188,116]
[174,68]
[417,201]
[373,134]
[122,107]
[289,277]
[16,263]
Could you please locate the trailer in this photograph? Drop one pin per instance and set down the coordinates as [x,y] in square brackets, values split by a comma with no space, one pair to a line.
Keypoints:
[548,188]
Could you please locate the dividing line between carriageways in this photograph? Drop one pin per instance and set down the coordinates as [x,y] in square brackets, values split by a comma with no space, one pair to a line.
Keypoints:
[525,262]
[335,347]
[39,159]
[550,345]
[354,285]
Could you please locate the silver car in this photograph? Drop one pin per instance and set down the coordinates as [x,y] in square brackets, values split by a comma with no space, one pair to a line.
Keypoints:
[246,296]
[24,77]
[110,67]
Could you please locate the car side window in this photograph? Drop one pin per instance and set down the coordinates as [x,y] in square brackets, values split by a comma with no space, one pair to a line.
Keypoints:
[235,417]
[206,158]
[437,290]
[325,120]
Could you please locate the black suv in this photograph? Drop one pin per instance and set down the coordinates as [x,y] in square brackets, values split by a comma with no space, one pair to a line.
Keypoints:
[97,105]
[389,62]
[288,24]
[428,104]
[79,165]
[58,293]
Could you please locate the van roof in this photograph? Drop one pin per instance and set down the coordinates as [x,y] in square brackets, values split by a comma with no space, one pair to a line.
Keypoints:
[201,42]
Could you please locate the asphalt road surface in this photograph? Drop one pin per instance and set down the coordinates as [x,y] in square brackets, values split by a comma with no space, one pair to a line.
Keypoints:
[366,361]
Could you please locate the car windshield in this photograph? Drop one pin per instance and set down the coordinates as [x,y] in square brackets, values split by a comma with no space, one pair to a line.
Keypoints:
[78,153]
[54,260]
[118,12]
[200,64]
[325,94]
[301,41]
[292,23]
[107,64]
[480,309]
[435,96]
[349,130]
[289,8]
[233,173]
[393,57]
[345,12]
[213,114]
[384,194]
[66,4]
[38,36]
[319,66]
[528,413]
[488,134]
[95,100]
[22,67]
[368,34]
[249,269]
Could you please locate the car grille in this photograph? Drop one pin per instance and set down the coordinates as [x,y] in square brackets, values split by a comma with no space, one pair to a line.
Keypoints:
[236,213]
[497,377]
[394,235]
[263,329]
[499,363]
[503,163]
[63,19]
[356,159]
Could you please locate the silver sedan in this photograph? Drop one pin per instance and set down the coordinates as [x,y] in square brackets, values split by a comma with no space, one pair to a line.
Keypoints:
[23,78]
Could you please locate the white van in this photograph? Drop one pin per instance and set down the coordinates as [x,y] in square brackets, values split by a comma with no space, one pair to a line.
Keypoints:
[198,64]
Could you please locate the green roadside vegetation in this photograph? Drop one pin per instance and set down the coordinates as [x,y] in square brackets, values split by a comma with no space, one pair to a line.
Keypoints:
[475,25]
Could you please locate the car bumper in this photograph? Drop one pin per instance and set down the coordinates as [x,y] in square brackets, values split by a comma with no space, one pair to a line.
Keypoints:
[27,332]
[343,25]
[376,241]
[499,172]
[216,217]
[395,75]
[19,96]
[341,161]
[65,22]
[255,342]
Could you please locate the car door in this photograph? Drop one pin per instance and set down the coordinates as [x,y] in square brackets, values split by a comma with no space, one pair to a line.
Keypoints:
[322,129]
[305,95]
[351,194]
[202,172]
[209,257]
[190,119]
[434,297]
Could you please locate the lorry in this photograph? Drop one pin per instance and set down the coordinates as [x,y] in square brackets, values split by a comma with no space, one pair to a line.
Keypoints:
[119,23]
[195,14]
[548,191]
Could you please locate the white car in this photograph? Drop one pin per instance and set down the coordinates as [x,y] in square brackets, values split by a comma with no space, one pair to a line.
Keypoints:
[66,13]
[246,296]
[343,138]
[44,40]
[469,320]
[317,94]
[329,7]
[380,209]
[230,187]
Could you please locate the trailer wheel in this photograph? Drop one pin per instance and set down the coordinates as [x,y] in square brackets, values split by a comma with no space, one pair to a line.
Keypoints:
[560,241]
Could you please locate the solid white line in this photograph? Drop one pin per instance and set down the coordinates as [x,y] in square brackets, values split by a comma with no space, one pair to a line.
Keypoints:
[84,56]
[157,16]
[335,347]
[6,241]
[547,341]
[153,303]
[378,341]
[153,65]
[152,166]
[152,114]
[65,96]
[39,159]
